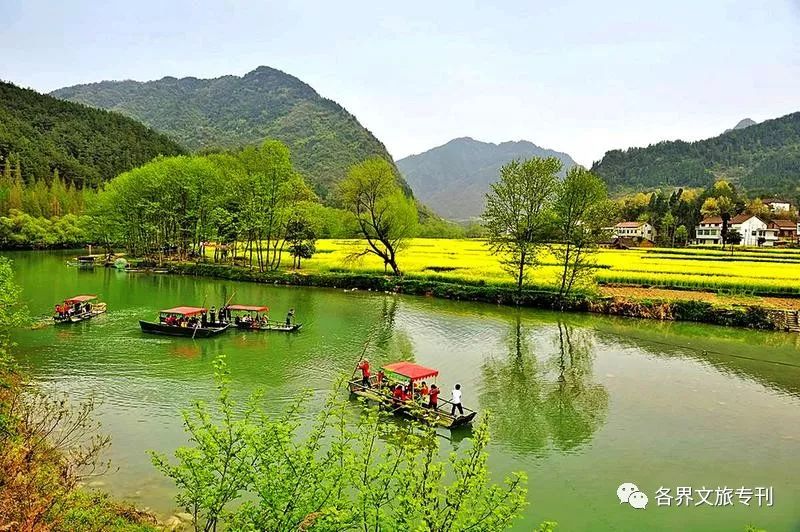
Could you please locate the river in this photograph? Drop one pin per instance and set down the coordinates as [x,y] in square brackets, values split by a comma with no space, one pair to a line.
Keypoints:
[581,403]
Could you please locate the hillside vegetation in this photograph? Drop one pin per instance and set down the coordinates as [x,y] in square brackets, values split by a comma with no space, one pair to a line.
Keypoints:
[762,158]
[232,111]
[453,179]
[85,145]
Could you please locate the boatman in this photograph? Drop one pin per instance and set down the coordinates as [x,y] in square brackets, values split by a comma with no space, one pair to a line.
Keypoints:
[364,367]
[213,314]
[289,317]
[457,400]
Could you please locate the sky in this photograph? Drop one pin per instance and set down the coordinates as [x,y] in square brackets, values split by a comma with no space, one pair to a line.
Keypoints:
[581,77]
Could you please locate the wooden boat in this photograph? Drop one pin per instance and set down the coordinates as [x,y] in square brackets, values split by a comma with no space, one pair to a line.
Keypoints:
[250,319]
[78,308]
[183,321]
[404,373]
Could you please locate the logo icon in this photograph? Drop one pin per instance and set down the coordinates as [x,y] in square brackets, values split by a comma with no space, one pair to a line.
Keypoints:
[629,493]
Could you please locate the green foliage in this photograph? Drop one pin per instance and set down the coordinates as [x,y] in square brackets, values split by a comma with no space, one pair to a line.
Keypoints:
[21,230]
[518,214]
[581,208]
[231,111]
[763,158]
[87,146]
[338,475]
[386,218]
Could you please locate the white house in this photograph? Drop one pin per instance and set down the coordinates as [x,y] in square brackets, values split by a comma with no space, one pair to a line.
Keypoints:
[752,229]
[634,230]
[776,204]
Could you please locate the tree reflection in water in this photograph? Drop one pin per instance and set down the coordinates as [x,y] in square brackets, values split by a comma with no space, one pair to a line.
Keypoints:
[544,400]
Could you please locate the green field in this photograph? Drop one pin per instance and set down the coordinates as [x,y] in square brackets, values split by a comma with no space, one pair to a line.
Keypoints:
[748,270]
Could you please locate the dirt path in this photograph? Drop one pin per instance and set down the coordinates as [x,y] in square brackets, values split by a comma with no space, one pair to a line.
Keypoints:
[664,293]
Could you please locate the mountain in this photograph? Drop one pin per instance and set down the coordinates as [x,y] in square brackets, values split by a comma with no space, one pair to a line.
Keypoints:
[454,178]
[746,122]
[231,111]
[86,145]
[761,158]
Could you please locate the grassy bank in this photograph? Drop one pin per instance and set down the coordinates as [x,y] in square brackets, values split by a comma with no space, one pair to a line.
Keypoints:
[749,316]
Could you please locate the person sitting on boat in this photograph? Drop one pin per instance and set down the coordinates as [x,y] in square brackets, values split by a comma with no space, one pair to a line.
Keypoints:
[456,400]
[364,367]
[433,397]
[409,391]
[289,317]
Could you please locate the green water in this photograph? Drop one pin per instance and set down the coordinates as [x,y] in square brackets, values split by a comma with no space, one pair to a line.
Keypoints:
[581,403]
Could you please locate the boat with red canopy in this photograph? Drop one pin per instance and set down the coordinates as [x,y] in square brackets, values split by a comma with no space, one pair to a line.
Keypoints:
[191,322]
[416,406]
[78,308]
[256,318]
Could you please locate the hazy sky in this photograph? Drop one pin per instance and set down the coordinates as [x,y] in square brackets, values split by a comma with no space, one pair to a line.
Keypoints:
[576,76]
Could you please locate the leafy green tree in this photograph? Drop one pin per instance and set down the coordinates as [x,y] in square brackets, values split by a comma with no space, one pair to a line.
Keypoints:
[518,216]
[681,235]
[301,237]
[668,229]
[247,470]
[581,210]
[386,217]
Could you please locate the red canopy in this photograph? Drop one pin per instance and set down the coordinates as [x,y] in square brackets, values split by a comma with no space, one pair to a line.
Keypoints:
[253,308]
[79,299]
[412,371]
[184,311]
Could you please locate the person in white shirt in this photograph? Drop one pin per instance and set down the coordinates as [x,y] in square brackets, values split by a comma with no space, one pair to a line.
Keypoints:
[457,401]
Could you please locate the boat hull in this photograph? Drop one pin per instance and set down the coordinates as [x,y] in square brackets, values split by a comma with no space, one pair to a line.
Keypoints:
[187,332]
[437,418]
[77,318]
[274,327]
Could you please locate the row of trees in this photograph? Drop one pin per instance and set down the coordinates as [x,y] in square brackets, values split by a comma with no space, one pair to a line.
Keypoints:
[529,210]
[39,197]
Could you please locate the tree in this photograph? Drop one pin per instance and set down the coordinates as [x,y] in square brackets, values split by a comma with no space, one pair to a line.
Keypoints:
[581,210]
[386,217]
[248,470]
[301,238]
[667,227]
[733,237]
[681,235]
[518,216]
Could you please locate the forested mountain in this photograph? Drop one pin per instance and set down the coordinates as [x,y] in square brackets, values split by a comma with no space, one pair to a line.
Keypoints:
[85,145]
[453,179]
[745,122]
[231,111]
[761,158]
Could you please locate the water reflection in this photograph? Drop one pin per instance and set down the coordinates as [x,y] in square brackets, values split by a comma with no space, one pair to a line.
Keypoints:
[544,398]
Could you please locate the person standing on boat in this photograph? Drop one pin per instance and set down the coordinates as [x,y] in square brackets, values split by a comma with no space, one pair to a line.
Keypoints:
[379,378]
[289,317]
[423,392]
[363,366]
[433,397]
[213,314]
[457,401]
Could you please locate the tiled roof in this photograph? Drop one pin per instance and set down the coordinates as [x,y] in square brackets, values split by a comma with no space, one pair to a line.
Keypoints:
[630,224]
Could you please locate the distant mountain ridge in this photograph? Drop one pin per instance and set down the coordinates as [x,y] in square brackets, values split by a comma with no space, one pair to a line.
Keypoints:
[454,178]
[86,145]
[232,111]
[762,158]
[745,122]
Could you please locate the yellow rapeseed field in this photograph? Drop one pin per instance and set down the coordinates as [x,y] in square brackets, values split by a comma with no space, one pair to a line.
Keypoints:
[746,271]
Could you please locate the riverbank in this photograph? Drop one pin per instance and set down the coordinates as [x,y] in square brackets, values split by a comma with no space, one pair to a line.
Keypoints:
[751,316]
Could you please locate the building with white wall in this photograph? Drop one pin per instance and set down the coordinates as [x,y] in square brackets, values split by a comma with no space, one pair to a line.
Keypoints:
[754,231]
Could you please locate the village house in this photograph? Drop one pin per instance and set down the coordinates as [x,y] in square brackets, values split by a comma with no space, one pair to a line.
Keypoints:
[754,231]
[776,204]
[787,230]
[634,230]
